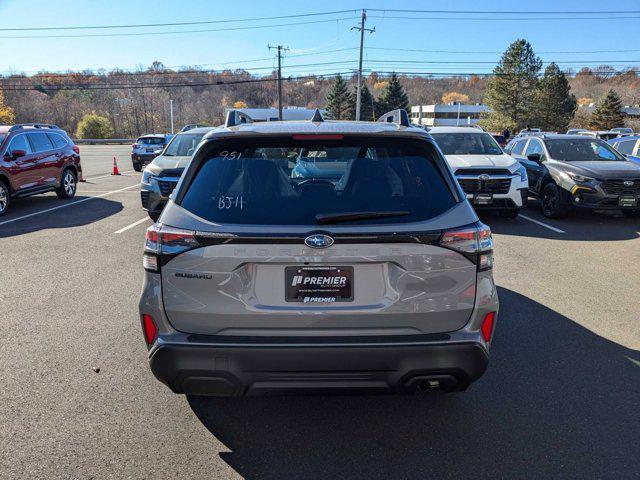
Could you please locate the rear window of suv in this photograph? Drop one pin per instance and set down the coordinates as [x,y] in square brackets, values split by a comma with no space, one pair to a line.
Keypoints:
[151,140]
[467,144]
[282,181]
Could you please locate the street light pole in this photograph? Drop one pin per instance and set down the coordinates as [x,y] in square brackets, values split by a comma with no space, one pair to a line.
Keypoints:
[171,114]
[362,30]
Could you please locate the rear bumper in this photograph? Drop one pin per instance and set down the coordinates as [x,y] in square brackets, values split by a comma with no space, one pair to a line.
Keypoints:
[256,369]
[143,158]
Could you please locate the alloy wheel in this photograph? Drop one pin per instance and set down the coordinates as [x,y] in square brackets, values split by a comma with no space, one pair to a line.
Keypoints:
[69,183]
[4,198]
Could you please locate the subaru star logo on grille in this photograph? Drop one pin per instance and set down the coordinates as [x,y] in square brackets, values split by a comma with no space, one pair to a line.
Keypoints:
[628,183]
[484,177]
[318,241]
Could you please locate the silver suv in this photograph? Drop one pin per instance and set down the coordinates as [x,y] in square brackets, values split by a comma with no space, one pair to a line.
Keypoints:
[259,280]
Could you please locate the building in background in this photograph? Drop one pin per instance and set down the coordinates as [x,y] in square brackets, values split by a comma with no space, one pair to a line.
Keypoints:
[271,114]
[450,114]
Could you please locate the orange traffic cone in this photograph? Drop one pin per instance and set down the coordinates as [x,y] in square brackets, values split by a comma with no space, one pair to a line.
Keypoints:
[115,167]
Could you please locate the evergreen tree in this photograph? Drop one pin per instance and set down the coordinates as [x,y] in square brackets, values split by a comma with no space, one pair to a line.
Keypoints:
[608,114]
[368,111]
[555,105]
[393,96]
[511,92]
[338,99]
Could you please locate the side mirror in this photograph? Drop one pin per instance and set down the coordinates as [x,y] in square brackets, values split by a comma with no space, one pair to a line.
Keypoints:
[18,153]
[534,157]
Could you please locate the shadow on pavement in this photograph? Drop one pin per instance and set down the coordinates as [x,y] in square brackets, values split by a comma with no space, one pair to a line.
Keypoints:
[557,401]
[73,216]
[581,225]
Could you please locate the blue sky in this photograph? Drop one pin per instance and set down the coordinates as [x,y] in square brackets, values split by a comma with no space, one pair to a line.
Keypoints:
[231,48]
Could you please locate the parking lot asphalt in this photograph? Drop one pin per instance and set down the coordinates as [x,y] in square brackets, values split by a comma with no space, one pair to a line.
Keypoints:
[559,400]
[98,159]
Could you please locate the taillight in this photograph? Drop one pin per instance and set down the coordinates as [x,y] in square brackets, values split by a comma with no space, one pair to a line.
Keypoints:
[487,326]
[474,242]
[76,149]
[162,243]
[150,331]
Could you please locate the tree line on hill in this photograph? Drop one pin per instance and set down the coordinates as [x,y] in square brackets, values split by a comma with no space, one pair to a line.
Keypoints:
[126,104]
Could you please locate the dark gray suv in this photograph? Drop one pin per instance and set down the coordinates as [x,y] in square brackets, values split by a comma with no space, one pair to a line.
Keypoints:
[260,281]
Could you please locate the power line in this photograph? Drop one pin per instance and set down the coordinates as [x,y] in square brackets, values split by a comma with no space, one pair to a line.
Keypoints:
[140,34]
[498,52]
[506,12]
[25,87]
[505,19]
[176,24]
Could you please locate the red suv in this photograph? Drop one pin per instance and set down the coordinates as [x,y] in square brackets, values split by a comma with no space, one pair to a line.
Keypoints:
[36,158]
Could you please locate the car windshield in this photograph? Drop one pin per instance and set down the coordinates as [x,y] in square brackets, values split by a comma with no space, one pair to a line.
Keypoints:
[183,145]
[582,150]
[151,140]
[467,143]
[371,181]
[2,137]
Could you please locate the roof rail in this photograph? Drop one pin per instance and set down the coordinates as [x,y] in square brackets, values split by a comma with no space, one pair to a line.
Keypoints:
[399,117]
[236,117]
[33,125]
[317,116]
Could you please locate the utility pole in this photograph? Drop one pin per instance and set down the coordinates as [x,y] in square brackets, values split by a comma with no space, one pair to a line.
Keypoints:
[279,48]
[171,114]
[362,30]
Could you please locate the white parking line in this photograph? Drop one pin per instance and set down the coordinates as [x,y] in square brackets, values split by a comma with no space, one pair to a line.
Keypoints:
[552,228]
[106,175]
[133,225]
[82,200]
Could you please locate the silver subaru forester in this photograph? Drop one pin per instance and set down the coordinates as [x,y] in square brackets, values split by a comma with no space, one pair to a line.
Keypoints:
[365,270]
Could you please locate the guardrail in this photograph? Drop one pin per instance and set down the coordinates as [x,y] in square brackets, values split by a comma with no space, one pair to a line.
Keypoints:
[104,141]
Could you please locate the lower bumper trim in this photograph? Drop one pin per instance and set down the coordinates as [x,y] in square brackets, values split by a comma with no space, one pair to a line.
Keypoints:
[252,370]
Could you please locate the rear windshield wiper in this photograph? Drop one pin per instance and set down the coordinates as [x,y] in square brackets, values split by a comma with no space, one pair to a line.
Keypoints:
[326,218]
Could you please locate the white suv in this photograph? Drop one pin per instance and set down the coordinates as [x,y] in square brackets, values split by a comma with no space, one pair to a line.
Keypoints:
[491,179]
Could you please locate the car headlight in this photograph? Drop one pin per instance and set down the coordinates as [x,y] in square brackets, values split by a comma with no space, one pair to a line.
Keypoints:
[580,178]
[146,176]
[522,172]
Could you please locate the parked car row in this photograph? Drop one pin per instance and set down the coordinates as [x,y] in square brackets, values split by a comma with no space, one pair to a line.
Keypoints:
[577,171]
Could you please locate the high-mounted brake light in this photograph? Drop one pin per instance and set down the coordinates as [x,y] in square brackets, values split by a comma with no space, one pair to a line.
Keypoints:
[163,243]
[474,242]
[318,137]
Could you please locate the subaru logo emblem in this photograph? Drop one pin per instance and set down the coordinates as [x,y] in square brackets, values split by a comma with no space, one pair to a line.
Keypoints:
[318,240]
[628,183]
[484,177]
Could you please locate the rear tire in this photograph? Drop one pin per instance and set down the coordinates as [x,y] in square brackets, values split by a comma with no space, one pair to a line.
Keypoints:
[5,198]
[553,205]
[137,166]
[510,214]
[68,184]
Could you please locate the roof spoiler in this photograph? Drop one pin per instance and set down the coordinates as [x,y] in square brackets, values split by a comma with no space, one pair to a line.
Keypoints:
[33,125]
[399,117]
[236,117]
